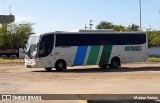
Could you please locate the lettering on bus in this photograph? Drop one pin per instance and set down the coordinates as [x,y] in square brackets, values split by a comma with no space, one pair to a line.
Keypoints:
[133,48]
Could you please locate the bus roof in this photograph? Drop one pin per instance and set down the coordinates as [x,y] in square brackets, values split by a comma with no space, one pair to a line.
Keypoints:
[103,31]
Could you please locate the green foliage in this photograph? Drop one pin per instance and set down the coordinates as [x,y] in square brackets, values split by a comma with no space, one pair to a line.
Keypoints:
[119,28]
[105,25]
[109,25]
[153,38]
[13,36]
[153,59]
[153,35]
[133,27]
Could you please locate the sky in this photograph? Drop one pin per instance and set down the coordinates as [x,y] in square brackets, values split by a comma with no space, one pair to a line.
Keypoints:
[66,15]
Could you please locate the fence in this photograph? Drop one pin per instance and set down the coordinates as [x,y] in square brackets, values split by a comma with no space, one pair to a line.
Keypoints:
[12,53]
[154,51]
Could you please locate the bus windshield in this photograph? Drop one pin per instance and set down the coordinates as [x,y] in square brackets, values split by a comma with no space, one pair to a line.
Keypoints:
[31,47]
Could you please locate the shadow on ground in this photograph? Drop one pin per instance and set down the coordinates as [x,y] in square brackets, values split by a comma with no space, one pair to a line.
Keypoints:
[99,70]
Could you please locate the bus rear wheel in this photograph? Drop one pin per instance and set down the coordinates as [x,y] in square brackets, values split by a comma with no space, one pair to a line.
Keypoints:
[60,65]
[115,63]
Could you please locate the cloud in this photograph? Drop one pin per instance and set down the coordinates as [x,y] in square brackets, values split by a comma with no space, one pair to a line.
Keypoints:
[22,19]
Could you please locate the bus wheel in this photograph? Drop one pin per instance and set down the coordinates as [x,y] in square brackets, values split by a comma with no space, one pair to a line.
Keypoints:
[48,69]
[103,66]
[115,63]
[60,65]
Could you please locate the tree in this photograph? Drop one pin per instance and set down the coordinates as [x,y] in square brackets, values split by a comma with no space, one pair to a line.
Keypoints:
[109,25]
[119,28]
[105,25]
[133,27]
[3,35]
[153,35]
[153,38]
[13,36]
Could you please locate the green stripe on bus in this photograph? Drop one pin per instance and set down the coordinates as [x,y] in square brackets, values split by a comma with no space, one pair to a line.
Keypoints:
[93,55]
[105,54]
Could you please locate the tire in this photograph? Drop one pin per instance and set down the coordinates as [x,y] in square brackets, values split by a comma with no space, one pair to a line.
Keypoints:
[60,65]
[115,63]
[48,69]
[103,66]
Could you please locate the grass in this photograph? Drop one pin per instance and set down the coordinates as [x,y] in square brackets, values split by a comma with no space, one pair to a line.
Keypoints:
[7,61]
[153,59]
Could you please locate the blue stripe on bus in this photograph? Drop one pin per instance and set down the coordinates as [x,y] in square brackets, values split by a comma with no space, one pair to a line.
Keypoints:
[80,55]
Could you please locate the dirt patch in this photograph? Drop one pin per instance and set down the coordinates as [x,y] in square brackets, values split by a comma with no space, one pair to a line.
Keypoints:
[140,78]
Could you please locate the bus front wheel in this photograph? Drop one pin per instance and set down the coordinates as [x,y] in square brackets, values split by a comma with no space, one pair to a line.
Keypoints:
[60,65]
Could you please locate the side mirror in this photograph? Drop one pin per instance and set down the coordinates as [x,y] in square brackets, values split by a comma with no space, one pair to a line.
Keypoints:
[25,45]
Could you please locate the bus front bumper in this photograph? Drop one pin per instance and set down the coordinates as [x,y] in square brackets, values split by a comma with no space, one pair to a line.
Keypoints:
[29,63]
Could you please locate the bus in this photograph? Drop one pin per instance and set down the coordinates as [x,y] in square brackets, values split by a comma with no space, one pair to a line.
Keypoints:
[105,48]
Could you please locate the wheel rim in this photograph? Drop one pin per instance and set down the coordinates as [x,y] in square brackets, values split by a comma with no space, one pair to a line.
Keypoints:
[61,66]
[115,64]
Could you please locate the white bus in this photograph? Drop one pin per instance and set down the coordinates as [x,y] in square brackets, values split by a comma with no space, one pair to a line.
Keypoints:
[85,47]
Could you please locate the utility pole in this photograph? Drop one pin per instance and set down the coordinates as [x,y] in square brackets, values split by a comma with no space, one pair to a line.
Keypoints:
[91,24]
[4,6]
[10,10]
[140,8]
[159,16]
